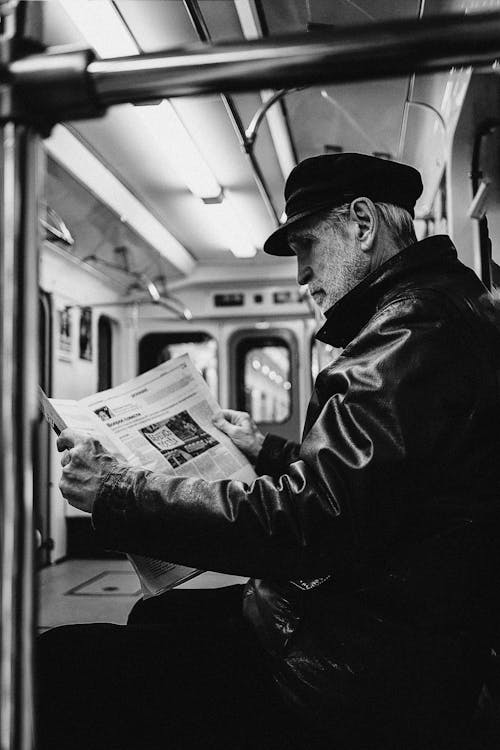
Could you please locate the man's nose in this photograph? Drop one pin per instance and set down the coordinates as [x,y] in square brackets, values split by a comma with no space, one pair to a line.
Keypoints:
[304,274]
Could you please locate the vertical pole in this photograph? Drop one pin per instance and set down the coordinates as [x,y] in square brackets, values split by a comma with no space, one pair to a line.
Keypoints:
[20,165]
[20,171]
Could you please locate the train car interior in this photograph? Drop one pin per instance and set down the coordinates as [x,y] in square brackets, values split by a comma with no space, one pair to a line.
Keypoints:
[154,213]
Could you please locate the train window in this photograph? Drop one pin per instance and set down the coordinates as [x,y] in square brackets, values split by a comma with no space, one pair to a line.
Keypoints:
[266,381]
[155,348]
[265,378]
[104,353]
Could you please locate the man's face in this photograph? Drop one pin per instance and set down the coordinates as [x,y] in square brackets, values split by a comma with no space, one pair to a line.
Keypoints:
[329,260]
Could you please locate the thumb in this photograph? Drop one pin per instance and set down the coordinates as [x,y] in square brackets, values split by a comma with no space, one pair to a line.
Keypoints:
[66,439]
[223,425]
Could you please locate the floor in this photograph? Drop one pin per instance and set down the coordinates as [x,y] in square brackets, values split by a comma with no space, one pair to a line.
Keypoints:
[83,591]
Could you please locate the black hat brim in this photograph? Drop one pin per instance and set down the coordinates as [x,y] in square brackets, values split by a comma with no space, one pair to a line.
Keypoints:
[277,243]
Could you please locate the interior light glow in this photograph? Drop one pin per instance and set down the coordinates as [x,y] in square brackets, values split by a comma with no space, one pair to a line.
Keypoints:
[104,30]
[172,139]
[272,375]
[232,228]
[287,385]
[79,161]
[256,364]
[265,370]
[101,26]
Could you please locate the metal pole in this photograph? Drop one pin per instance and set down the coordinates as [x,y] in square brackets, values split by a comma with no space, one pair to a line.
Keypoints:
[365,52]
[19,168]
[60,86]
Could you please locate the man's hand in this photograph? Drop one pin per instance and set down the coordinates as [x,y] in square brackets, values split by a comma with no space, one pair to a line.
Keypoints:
[242,430]
[85,463]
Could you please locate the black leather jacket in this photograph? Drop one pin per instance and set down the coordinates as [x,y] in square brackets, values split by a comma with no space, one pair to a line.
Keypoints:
[369,545]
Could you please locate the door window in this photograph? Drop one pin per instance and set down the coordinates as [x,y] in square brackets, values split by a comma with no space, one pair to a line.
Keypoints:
[156,348]
[267,383]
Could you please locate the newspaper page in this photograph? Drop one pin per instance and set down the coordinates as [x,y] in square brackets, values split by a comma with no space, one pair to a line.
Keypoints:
[165,418]
[161,420]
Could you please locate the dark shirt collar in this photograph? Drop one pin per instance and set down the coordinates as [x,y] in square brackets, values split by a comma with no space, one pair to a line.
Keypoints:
[348,316]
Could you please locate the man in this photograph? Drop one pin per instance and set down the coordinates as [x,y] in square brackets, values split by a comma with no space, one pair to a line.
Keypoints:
[369,545]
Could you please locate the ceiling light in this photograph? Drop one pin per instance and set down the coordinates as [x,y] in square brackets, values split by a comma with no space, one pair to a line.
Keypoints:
[72,154]
[101,26]
[173,139]
[232,227]
[104,30]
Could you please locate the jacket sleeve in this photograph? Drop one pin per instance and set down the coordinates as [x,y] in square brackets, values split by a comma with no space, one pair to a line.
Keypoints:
[276,455]
[398,397]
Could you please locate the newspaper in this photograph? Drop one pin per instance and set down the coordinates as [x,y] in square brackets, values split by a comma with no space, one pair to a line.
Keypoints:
[161,420]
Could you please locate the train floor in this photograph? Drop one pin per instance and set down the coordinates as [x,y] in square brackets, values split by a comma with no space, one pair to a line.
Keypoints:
[84,591]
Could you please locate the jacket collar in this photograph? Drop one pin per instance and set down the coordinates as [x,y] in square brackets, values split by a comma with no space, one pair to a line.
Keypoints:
[348,316]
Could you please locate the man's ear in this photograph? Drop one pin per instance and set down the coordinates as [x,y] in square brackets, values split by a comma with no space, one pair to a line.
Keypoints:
[365,218]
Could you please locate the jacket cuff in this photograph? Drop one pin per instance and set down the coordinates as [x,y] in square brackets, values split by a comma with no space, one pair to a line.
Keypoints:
[270,458]
[110,511]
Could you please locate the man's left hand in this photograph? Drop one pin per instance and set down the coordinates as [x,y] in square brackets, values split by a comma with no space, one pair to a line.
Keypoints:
[85,464]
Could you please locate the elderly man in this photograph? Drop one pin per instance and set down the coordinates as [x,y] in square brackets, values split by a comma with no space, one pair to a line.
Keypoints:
[368,545]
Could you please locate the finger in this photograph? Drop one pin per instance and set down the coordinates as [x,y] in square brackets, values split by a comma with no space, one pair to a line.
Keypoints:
[66,457]
[65,487]
[235,417]
[67,439]
[223,425]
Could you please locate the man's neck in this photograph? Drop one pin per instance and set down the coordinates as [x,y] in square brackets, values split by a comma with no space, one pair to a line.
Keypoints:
[384,248]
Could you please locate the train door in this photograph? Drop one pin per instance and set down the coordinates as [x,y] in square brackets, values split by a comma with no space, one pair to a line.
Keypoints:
[42,443]
[264,379]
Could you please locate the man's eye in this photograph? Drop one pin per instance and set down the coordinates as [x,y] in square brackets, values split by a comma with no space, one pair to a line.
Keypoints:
[302,245]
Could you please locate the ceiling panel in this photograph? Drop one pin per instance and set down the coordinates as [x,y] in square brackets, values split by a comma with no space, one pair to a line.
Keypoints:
[365,117]
[158,25]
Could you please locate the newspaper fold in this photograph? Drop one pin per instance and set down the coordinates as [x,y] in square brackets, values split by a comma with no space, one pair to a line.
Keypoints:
[161,420]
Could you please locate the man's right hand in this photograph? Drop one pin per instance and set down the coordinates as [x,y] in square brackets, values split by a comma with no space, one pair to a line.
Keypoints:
[240,427]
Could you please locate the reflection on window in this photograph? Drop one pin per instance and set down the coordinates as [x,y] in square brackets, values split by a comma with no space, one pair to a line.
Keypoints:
[267,383]
[203,355]
[322,355]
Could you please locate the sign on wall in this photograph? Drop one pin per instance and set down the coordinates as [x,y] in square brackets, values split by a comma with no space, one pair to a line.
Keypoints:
[64,334]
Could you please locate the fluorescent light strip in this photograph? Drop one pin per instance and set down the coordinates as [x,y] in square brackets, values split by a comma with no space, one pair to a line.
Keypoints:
[104,30]
[68,151]
[172,139]
[226,216]
[101,26]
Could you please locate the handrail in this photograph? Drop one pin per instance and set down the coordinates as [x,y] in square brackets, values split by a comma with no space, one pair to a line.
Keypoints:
[62,86]
[354,53]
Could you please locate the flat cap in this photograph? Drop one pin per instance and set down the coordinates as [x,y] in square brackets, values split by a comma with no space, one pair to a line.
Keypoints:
[330,180]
